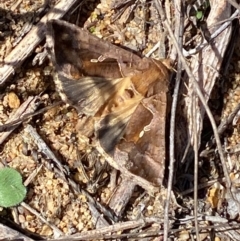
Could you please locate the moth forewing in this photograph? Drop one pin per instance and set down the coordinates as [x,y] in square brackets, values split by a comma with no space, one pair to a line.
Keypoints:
[78,51]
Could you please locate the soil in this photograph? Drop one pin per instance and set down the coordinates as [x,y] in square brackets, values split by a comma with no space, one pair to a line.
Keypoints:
[59,193]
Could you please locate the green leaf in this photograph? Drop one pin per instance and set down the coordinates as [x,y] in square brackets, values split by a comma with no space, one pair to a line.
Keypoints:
[12,191]
[199,15]
[92,29]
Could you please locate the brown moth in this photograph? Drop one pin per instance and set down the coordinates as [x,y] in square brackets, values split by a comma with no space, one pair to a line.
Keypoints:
[125,95]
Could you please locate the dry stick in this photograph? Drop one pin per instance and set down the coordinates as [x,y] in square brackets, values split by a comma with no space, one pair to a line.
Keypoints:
[62,173]
[207,228]
[202,186]
[231,47]
[179,5]
[148,234]
[43,146]
[10,124]
[173,115]
[195,167]
[227,120]
[201,97]
[135,180]
[103,232]
[27,107]
[106,232]
[153,49]
[104,210]
[15,59]
[234,4]
[97,219]
[32,175]
[10,233]
[57,231]
[214,219]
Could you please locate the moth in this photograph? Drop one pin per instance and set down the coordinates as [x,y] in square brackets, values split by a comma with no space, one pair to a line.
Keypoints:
[123,93]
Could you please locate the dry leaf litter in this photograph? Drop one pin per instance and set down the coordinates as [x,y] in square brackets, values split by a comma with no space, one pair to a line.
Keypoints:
[50,195]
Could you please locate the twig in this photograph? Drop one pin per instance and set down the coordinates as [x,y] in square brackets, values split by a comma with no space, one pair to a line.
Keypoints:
[213,219]
[57,231]
[104,231]
[179,18]
[32,175]
[221,128]
[12,123]
[196,136]
[11,234]
[234,4]
[43,147]
[97,218]
[153,49]
[126,173]
[122,195]
[31,40]
[179,7]
[27,107]
[104,210]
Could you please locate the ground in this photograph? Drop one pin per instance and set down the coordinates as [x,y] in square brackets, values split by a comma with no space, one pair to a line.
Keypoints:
[59,168]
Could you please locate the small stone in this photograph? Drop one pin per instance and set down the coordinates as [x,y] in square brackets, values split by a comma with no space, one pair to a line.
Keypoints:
[21,218]
[13,100]
[46,231]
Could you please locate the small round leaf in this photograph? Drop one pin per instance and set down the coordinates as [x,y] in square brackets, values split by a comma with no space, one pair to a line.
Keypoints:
[199,15]
[12,191]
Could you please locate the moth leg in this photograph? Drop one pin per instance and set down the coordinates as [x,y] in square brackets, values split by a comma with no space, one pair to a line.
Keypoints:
[80,165]
[121,66]
[124,66]
[120,62]
[101,58]
[94,172]
[98,180]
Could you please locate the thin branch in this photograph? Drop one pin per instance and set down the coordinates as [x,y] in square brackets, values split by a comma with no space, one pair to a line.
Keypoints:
[15,59]
[57,231]
[43,147]
[104,232]
[195,166]
[234,4]
[13,122]
[27,107]
[179,15]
